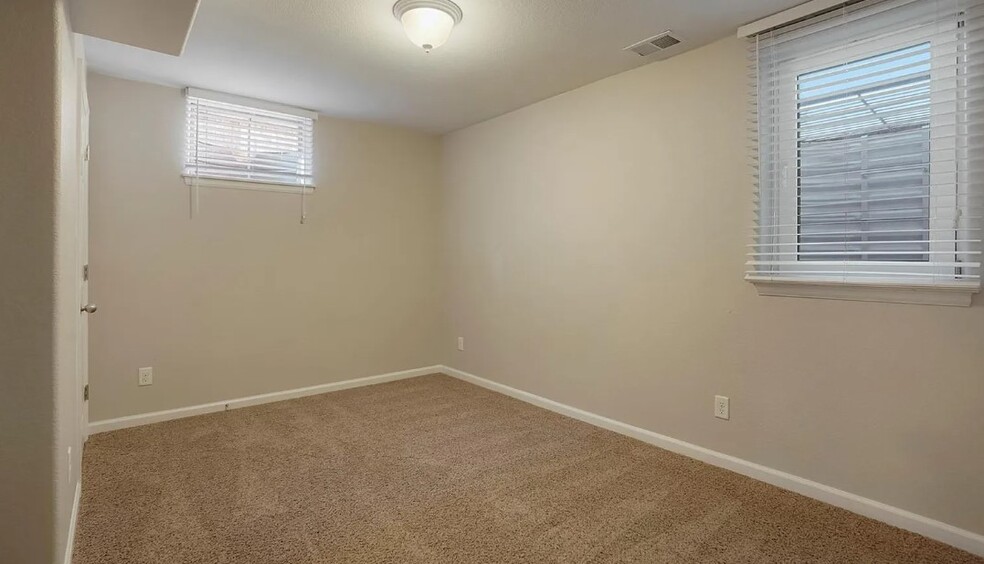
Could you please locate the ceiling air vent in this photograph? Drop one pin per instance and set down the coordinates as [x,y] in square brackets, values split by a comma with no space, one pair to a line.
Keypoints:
[654,44]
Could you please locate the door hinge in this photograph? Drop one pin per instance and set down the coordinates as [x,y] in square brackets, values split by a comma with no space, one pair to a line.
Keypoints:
[85,273]
[86,153]
[85,393]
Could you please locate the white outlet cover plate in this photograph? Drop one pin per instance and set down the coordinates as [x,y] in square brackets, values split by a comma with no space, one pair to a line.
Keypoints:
[145,376]
[722,407]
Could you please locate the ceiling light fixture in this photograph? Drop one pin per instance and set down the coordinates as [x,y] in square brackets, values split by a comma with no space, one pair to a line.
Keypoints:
[428,23]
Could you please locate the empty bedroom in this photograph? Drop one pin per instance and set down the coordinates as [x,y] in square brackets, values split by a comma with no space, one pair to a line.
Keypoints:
[491,281]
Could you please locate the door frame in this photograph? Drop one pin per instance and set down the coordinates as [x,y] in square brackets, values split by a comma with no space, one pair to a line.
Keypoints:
[82,335]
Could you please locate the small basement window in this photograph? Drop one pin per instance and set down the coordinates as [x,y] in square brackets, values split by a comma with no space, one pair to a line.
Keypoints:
[867,121]
[229,139]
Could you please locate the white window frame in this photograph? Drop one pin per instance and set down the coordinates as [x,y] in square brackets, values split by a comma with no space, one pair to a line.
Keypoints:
[818,284]
[789,157]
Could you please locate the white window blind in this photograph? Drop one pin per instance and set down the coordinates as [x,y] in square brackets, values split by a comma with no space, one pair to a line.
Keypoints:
[259,142]
[868,146]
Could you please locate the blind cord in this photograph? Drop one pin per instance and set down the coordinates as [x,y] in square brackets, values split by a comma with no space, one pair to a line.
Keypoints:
[303,204]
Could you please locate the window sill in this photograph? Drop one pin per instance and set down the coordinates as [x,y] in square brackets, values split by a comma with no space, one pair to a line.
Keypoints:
[953,294]
[252,185]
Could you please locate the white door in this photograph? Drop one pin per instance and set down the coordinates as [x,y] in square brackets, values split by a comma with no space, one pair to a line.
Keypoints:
[86,308]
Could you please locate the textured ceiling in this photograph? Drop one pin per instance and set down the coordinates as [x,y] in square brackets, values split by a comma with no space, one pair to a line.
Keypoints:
[151,24]
[350,58]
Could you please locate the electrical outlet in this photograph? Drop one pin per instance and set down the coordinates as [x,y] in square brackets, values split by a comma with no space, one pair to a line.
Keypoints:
[461,343]
[145,376]
[722,407]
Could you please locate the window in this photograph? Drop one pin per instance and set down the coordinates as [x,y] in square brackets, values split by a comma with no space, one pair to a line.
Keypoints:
[868,146]
[864,159]
[256,143]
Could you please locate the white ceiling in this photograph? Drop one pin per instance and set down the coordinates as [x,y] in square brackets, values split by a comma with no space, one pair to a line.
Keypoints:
[350,58]
[151,24]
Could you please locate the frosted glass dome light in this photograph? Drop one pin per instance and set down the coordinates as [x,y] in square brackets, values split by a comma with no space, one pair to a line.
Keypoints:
[428,23]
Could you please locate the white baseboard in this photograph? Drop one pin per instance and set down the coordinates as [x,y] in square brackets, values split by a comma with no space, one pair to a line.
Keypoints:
[960,538]
[158,416]
[70,544]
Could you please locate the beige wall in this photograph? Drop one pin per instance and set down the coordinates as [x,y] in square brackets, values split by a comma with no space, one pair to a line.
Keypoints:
[595,246]
[28,145]
[242,299]
[38,293]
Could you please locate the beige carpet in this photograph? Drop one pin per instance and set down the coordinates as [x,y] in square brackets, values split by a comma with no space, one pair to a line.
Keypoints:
[436,470]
